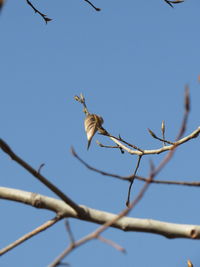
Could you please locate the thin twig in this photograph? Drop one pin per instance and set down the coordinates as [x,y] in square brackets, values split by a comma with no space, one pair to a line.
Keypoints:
[173,2]
[138,151]
[40,167]
[194,134]
[181,132]
[90,3]
[186,113]
[158,138]
[40,177]
[81,99]
[68,228]
[27,236]
[121,140]
[111,243]
[132,180]
[129,178]
[45,18]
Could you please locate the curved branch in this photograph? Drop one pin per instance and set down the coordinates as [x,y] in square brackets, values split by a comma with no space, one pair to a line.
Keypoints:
[185,139]
[130,177]
[169,230]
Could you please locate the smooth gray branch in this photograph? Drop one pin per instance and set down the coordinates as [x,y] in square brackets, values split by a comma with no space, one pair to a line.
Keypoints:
[169,230]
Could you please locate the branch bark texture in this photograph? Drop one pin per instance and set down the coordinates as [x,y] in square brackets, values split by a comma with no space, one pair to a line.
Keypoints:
[166,229]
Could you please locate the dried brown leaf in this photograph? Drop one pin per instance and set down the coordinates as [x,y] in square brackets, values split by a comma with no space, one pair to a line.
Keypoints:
[189,263]
[92,123]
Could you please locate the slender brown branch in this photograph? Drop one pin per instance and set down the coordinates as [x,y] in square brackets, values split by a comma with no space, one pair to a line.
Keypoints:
[40,167]
[132,180]
[160,139]
[118,147]
[194,134]
[40,177]
[111,243]
[68,228]
[125,142]
[92,5]
[168,2]
[45,18]
[29,235]
[129,178]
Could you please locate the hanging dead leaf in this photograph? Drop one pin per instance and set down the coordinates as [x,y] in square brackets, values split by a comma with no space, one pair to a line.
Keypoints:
[92,123]
[189,263]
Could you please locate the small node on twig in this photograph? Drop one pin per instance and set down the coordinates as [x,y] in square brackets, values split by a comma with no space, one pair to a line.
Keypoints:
[101,145]
[163,132]
[81,100]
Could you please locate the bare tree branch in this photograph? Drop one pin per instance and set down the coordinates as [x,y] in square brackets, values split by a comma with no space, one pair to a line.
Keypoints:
[111,243]
[40,177]
[138,151]
[153,173]
[45,18]
[68,228]
[95,234]
[132,180]
[169,230]
[129,177]
[194,134]
[92,5]
[27,236]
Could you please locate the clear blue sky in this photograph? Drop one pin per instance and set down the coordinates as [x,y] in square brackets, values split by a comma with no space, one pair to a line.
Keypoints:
[131,61]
